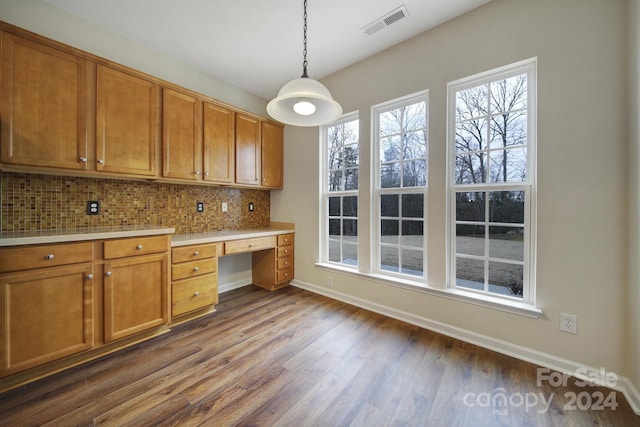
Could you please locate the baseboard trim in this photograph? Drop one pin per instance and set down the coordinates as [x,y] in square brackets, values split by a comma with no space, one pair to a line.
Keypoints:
[545,360]
[233,285]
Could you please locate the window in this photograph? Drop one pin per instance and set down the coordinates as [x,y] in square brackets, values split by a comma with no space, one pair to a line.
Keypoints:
[491,179]
[340,191]
[400,192]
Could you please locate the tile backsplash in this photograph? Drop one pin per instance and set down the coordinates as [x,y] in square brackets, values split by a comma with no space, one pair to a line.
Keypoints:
[31,202]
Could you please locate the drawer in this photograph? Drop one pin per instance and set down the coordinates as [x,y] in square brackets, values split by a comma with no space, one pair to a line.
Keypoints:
[285,239]
[284,275]
[28,257]
[194,268]
[192,294]
[248,245]
[285,251]
[193,252]
[285,262]
[135,246]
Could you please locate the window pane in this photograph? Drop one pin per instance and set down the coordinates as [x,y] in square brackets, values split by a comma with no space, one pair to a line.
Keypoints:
[350,206]
[415,146]
[509,165]
[414,174]
[334,206]
[506,243]
[471,136]
[471,103]
[335,158]
[470,206]
[389,259]
[414,117]
[412,262]
[470,273]
[351,155]
[335,181]
[390,149]
[350,227]
[509,94]
[351,179]
[506,206]
[505,279]
[389,205]
[334,251]
[390,175]
[389,231]
[350,254]
[471,168]
[508,130]
[413,205]
[334,227]
[413,233]
[389,123]
[470,239]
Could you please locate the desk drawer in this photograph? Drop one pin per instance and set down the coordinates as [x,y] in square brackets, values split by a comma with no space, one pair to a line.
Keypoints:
[39,256]
[249,245]
[192,294]
[285,239]
[284,275]
[121,248]
[193,268]
[193,252]
[285,251]
[285,262]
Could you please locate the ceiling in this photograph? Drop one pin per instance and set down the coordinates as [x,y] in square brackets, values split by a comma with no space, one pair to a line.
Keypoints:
[257,44]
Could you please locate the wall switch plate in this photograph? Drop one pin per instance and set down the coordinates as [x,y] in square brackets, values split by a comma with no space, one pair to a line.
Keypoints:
[251,207]
[199,207]
[569,323]
[225,207]
[93,207]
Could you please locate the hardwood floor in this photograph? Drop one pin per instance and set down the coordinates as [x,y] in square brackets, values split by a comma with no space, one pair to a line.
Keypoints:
[294,358]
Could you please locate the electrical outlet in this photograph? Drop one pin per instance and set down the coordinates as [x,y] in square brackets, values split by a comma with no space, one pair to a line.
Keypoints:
[225,207]
[93,207]
[251,207]
[330,281]
[199,207]
[569,323]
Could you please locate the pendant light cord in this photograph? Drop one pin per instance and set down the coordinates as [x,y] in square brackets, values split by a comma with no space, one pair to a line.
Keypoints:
[304,42]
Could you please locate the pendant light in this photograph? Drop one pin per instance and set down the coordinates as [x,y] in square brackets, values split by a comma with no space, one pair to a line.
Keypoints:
[304,101]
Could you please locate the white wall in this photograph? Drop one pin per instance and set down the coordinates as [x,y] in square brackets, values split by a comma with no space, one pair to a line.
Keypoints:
[582,170]
[44,19]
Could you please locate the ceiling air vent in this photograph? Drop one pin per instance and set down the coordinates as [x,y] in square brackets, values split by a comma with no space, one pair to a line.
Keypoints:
[386,20]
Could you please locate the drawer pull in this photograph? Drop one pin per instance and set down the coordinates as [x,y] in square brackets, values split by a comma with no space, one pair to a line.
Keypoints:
[108,274]
[195,294]
[89,276]
[196,253]
[286,263]
[83,159]
[139,247]
[250,245]
[286,251]
[286,274]
[100,161]
[286,240]
[48,257]
[196,268]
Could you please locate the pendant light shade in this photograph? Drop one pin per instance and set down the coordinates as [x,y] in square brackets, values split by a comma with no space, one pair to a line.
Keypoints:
[304,101]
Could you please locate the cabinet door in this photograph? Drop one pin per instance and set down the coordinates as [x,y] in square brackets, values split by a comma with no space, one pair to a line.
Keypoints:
[247,150]
[219,140]
[135,295]
[126,123]
[43,102]
[181,135]
[47,314]
[272,155]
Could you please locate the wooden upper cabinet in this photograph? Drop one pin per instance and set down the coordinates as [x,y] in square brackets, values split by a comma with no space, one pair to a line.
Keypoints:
[127,115]
[247,150]
[43,96]
[181,135]
[219,143]
[272,155]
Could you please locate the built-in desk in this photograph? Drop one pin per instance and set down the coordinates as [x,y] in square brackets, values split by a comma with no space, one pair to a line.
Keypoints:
[194,268]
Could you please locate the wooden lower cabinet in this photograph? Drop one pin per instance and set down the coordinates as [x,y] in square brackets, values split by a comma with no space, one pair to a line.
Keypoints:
[194,280]
[47,314]
[273,269]
[135,295]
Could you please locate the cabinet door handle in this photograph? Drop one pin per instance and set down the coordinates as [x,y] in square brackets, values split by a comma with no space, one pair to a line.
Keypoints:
[196,253]
[83,159]
[100,161]
[89,276]
[139,247]
[195,294]
[197,172]
[108,274]
[196,268]
[48,257]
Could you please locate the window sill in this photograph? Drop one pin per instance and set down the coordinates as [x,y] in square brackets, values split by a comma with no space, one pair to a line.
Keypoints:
[513,307]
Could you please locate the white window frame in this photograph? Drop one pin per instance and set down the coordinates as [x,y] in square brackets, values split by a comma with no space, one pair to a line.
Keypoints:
[527,67]
[377,191]
[325,194]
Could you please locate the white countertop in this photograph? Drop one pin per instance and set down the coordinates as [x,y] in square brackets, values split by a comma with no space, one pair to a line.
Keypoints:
[78,234]
[224,235]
